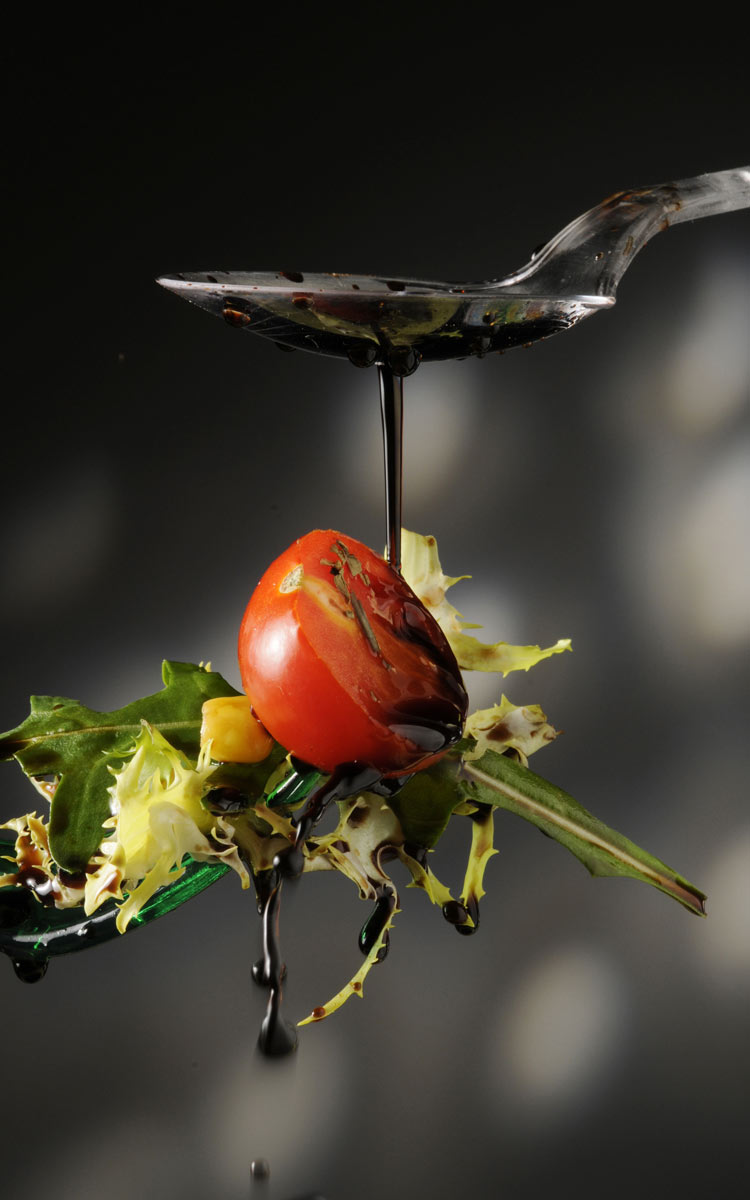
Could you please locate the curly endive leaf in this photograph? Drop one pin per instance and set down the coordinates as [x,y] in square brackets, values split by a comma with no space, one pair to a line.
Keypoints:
[495,779]
[422,571]
[508,726]
[78,745]
[157,820]
[482,850]
[355,986]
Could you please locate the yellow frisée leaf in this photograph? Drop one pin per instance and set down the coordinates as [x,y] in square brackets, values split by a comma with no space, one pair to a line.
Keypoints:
[420,567]
[422,571]
[355,986]
[482,850]
[32,853]
[505,725]
[157,818]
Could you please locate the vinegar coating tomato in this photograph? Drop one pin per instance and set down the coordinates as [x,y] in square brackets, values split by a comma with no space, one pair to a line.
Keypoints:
[342,663]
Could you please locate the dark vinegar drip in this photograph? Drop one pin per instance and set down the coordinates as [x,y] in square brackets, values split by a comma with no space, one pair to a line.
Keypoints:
[376,922]
[392,413]
[29,971]
[472,908]
[277,1036]
[260,1169]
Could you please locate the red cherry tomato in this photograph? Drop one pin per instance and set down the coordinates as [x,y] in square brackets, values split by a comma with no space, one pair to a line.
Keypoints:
[342,663]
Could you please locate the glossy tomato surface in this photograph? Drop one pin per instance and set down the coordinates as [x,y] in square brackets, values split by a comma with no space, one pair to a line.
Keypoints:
[342,663]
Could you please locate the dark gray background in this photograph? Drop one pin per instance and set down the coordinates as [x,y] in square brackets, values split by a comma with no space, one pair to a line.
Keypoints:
[593,1037]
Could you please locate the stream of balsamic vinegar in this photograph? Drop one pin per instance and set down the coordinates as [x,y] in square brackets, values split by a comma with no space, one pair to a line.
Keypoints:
[277,1036]
[392,414]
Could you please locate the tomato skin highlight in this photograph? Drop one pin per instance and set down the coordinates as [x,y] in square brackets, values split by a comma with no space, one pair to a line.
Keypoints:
[342,663]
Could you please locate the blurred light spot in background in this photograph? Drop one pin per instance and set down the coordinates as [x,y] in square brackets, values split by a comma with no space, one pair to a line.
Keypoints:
[711,568]
[685,538]
[439,424]
[257,1105]
[559,1036]
[59,543]
[708,378]
[721,945]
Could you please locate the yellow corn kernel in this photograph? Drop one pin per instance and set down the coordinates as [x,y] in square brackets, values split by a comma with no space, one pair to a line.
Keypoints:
[235,733]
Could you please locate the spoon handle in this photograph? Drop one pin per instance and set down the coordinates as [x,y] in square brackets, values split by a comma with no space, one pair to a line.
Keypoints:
[708,195]
[589,257]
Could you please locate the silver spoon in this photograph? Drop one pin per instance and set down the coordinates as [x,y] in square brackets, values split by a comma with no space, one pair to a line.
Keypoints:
[399,323]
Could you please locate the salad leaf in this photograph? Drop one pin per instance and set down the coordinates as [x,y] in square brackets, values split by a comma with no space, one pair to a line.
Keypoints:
[427,801]
[422,571]
[496,779]
[79,746]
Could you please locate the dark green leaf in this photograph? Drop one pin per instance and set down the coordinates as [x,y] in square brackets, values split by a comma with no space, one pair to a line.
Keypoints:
[425,803]
[496,779]
[63,738]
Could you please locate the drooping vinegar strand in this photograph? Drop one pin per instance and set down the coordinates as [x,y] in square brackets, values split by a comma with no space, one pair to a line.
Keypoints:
[392,414]
[277,1036]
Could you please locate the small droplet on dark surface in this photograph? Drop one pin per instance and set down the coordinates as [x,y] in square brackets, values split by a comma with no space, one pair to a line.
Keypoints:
[302,301]
[86,930]
[481,346]
[293,276]
[455,913]
[467,930]
[363,355]
[212,279]
[472,909]
[291,862]
[226,800]
[395,285]
[28,971]
[403,360]
[260,1169]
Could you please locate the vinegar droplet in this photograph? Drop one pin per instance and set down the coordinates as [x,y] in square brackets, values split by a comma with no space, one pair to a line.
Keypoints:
[260,1168]
[29,971]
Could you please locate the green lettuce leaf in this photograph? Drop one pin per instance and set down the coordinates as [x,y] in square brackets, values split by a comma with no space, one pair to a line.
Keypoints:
[78,746]
[427,801]
[496,779]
